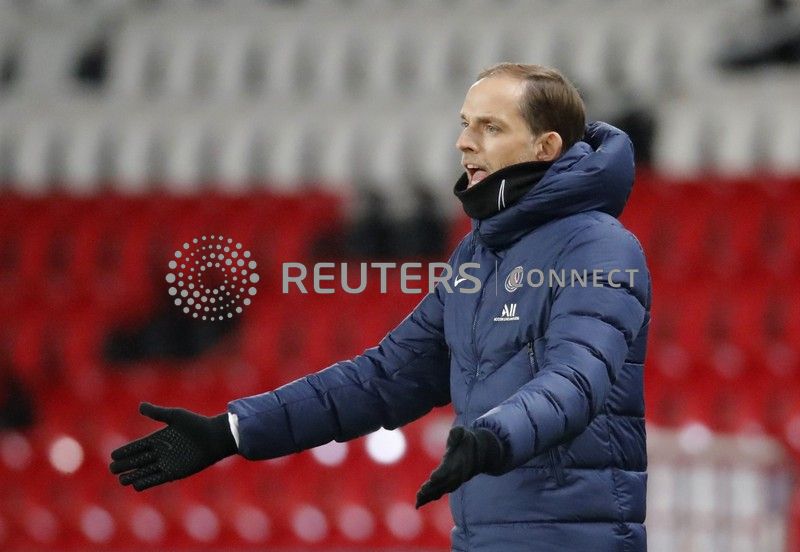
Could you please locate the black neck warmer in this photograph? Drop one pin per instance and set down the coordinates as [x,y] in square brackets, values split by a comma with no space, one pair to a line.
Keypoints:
[500,189]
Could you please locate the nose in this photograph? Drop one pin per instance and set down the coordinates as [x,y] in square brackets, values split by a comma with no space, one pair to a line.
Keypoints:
[465,142]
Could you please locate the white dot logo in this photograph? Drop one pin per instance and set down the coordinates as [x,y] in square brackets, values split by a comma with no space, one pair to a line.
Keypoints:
[209,280]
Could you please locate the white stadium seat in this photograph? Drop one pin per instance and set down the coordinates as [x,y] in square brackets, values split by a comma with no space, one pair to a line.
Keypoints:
[435,42]
[329,54]
[238,138]
[83,165]
[433,154]
[783,138]
[33,155]
[694,45]
[184,154]
[681,140]
[287,155]
[338,158]
[736,139]
[533,40]
[583,47]
[640,57]
[384,55]
[134,139]
[49,50]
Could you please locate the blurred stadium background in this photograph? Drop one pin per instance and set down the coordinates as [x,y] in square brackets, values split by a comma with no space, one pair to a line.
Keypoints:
[325,130]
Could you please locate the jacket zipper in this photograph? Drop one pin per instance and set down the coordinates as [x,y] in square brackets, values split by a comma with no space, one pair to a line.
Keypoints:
[471,385]
[474,339]
[461,501]
[531,358]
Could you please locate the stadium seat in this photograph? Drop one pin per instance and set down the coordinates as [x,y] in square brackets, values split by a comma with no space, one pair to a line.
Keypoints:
[85,163]
[220,68]
[50,49]
[680,139]
[640,56]
[35,155]
[241,142]
[376,65]
[737,137]
[435,159]
[297,144]
[135,143]
[187,155]
[591,47]
[783,140]
[694,45]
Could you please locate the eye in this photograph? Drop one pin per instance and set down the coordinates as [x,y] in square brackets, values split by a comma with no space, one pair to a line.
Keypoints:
[464,124]
[492,129]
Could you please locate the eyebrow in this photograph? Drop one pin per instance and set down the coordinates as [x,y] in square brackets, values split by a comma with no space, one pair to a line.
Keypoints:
[485,119]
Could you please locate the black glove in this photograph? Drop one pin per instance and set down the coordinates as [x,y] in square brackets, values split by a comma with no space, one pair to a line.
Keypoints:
[469,452]
[190,443]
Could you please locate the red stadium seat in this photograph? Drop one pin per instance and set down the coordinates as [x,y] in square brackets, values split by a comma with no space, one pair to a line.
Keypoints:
[734,229]
[674,245]
[779,239]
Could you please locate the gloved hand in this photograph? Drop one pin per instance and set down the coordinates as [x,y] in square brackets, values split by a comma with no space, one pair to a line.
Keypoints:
[469,452]
[190,443]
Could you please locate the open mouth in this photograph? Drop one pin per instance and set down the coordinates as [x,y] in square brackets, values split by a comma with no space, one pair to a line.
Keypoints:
[475,173]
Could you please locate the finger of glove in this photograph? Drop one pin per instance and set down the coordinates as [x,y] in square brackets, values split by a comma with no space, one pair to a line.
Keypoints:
[148,481]
[448,465]
[130,477]
[451,465]
[423,497]
[428,492]
[157,413]
[441,473]
[133,462]
[132,449]
[447,481]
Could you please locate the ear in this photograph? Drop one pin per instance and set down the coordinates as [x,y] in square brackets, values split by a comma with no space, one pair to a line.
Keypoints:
[548,146]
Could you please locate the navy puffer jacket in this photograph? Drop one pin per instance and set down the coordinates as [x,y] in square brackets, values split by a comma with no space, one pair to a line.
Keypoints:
[554,370]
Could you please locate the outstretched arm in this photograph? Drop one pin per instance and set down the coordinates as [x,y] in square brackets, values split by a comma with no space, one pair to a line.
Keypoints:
[390,385]
[398,381]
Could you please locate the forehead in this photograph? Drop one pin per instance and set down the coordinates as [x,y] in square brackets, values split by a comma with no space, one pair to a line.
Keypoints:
[497,96]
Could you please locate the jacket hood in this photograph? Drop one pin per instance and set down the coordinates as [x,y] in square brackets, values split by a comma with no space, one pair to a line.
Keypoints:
[595,174]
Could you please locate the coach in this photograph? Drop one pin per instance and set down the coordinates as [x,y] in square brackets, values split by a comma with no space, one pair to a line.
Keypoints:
[547,452]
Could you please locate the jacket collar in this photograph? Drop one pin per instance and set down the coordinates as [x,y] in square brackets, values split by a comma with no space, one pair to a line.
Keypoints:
[500,189]
[595,174]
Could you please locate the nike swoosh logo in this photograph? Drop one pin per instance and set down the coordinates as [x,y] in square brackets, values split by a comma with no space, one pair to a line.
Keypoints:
[459,280]
[163,442]
[166,443]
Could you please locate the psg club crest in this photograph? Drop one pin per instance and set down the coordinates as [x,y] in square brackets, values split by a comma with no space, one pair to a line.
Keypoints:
[514,280]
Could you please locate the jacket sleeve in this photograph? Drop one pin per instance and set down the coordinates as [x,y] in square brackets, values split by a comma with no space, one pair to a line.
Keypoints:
[590,329]
[390,385]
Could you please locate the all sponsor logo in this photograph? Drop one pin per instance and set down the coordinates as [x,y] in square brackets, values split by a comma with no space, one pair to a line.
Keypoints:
[509,313]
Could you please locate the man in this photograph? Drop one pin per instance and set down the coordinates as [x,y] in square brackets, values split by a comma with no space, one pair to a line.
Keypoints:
[547,451]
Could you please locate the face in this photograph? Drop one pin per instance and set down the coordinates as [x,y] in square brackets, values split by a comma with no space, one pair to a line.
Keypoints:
[495,134]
